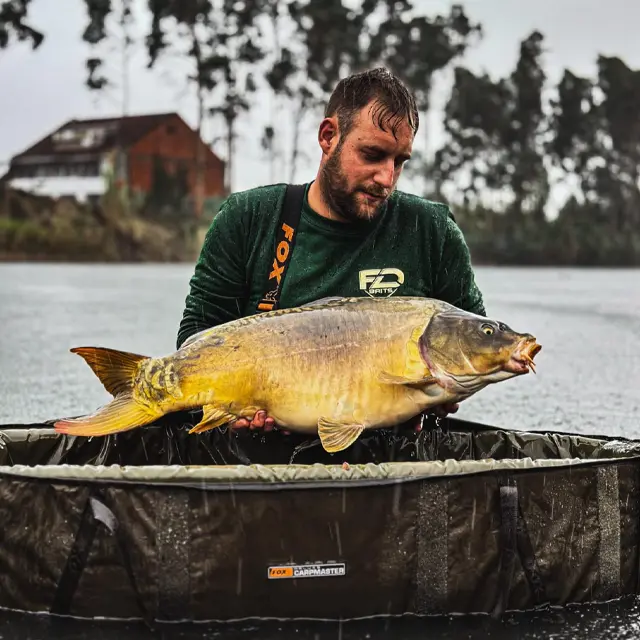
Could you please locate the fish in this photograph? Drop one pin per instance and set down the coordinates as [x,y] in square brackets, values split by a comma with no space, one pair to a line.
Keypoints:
[332,368]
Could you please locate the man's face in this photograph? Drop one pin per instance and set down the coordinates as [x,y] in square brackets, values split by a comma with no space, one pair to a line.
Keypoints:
[360,171]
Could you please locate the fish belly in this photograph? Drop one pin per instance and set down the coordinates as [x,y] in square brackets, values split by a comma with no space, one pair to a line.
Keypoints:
[349,399]
[340,382]
[301,367]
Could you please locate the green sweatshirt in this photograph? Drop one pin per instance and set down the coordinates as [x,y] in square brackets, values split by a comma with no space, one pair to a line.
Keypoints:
[414,249]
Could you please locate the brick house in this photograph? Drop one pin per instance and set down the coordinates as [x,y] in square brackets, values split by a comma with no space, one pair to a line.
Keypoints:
[84,158]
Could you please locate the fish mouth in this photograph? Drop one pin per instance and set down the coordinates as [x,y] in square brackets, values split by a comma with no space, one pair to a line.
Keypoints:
[521,360]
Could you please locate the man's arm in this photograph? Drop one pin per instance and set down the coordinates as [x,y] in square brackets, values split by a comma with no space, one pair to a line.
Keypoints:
[455,281]
[218,285]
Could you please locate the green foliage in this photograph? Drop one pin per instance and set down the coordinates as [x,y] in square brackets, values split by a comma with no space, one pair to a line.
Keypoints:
[503,141]
[12,24]
[495,132]
[510,141]
[416,47]
[41,228]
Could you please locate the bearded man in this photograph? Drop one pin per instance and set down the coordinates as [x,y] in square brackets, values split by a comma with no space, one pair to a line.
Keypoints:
[349,232]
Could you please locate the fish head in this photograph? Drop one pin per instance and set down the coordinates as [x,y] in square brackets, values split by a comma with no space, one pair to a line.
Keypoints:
[471,351]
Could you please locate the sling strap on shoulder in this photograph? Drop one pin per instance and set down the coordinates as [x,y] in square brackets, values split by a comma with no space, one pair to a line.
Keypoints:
[283,246]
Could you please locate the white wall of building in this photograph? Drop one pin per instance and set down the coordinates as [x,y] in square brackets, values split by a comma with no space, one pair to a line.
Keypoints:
[56,186]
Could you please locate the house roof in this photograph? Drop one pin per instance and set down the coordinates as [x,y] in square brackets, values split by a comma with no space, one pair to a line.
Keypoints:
[93,136]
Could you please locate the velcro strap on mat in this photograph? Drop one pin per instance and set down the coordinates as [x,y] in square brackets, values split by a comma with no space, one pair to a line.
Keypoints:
[95,514]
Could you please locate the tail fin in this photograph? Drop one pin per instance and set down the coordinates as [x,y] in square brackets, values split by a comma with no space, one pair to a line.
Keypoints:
[121,414]
[116,369]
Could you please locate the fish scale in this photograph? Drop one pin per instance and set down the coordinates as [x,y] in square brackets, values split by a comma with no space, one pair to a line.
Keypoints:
[334,368]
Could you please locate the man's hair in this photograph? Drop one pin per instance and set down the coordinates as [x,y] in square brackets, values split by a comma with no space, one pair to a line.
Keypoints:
[393,101]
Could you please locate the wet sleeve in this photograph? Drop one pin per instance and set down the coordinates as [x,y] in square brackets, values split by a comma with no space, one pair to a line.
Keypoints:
[217,288]
[455,279]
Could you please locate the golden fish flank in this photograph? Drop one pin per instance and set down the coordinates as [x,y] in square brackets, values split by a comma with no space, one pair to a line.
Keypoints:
[335,367]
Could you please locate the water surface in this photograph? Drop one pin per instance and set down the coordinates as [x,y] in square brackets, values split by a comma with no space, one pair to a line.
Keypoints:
[588,381]
[588,322]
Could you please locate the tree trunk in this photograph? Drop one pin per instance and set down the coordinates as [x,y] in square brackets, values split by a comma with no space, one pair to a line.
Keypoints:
[297,122]
[199,150]
[228,173]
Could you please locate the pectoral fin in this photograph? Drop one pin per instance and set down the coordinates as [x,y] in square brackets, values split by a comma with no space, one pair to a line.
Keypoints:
[212,417]
[336,436]
[390,378]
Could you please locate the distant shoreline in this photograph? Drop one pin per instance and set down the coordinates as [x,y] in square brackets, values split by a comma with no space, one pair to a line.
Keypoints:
[21,258]
[38,229]
[10,258]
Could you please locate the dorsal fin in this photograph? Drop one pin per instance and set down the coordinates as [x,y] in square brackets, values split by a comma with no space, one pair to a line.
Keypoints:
[115,369]
[327,300]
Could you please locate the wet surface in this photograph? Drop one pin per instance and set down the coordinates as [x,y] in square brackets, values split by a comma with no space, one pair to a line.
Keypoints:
[588,379]
[617,620]
[588,322]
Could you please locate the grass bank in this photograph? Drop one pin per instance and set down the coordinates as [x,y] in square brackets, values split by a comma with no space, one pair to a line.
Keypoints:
[37,228]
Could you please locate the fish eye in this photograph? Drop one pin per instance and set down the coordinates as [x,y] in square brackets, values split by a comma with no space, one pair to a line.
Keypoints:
[487,329]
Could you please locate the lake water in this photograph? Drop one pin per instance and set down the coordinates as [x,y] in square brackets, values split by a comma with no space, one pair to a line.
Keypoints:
[588,381]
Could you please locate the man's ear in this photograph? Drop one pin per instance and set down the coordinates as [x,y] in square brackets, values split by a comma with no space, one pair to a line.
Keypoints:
[328,135]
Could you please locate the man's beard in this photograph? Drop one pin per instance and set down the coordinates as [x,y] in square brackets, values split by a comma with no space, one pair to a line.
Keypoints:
[343,201]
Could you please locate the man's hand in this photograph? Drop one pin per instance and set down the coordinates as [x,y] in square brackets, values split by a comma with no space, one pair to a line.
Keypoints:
[440,411]
[443,410]
[259,421]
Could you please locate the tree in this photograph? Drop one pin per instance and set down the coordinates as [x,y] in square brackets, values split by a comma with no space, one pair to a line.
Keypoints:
[234,63]
[13,14]
[97,32]
[572,124]
[224,46]
[416,48]
[280,67]
[495,134]
[186,28]
[616,179]
[324,45]
[596,138]
[525,148]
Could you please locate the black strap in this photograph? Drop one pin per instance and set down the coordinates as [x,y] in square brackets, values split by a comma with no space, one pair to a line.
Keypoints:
[95,513]
[508,545]
[516,546]
[284,244]
[76,562]
[529,563]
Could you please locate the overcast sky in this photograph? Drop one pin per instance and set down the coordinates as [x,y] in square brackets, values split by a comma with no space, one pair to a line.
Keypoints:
[42,89]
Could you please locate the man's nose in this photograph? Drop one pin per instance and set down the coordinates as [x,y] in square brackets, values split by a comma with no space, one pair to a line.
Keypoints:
[384,174]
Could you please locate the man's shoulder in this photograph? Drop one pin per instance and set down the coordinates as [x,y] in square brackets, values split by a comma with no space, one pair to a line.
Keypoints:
[255,196]
[431,210]
[253,209]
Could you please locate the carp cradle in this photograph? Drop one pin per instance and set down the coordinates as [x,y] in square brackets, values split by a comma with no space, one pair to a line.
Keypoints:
[462,517]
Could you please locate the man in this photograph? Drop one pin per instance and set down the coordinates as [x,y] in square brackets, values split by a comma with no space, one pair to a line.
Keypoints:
[357,235]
